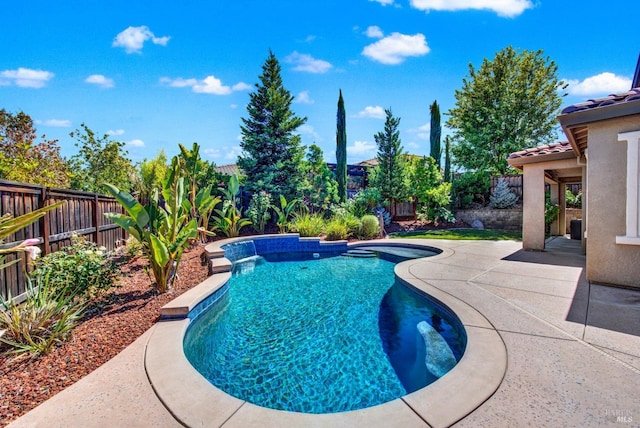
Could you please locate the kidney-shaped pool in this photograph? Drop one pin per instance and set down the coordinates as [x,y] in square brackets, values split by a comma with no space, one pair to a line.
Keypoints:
[323,332]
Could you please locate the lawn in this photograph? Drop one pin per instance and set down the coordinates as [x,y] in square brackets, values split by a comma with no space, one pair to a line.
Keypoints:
[462,234]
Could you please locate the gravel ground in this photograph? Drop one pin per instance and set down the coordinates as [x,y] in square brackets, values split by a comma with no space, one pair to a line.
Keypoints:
[114,322]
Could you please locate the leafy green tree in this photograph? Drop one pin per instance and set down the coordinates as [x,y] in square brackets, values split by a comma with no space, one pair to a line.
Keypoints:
[389,176]
[272,154]
[150,176]
[322,189]
[435,132]
[99,161]
[447,159]
[509,104]
[24,160]
[341,150]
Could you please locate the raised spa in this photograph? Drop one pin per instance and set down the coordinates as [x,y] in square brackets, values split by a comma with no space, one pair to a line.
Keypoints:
[321,332]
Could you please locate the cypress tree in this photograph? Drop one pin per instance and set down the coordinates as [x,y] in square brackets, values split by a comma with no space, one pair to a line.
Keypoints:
[272,155]
[447,159]
[436,131]
[341,151]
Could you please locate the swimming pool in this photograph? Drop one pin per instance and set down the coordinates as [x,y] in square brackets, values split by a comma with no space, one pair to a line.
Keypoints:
[338,334]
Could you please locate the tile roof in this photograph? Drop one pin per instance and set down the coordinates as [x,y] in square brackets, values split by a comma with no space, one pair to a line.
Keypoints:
[631,95]
[559,147]
[230,169]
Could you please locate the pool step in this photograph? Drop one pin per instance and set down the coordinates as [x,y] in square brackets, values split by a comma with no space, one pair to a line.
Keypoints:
[364,254]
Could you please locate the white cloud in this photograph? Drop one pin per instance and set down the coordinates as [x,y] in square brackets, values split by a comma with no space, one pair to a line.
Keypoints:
[505,8]
[25,77]
[374,112]
[395,48]
[304,98]
[423,132]
[211,85]
[374,32]
[58,123]
[383,2]
[132,39]
[212,153]
[305,62]
[308,130]
[232,152]
[600,84]
[136,143]
[208,85]
[100,80]
[241,86]
[362,149]
[116,132]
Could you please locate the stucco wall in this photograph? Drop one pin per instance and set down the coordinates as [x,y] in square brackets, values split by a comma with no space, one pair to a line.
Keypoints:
[608,262]
[506,219]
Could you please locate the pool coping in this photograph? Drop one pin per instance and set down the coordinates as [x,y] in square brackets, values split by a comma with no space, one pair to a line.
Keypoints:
[193,401]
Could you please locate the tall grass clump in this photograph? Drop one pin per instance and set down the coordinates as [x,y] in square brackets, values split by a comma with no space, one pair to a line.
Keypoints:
[44,320]
[308,225]
[336,230]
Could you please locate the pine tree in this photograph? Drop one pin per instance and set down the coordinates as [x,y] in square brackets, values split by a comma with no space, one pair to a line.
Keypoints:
[436,131]
[502,196]
[341,151]
[272,154]
[389,177]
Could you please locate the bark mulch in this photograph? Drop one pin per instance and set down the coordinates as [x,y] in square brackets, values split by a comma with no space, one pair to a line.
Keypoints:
[113,323]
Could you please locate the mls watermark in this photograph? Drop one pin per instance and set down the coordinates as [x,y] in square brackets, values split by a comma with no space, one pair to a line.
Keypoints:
[622,416]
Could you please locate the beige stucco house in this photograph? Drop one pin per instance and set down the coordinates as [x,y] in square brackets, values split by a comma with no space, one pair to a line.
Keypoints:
[602,153]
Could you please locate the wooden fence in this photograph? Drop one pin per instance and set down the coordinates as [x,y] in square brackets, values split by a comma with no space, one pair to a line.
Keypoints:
[82,214]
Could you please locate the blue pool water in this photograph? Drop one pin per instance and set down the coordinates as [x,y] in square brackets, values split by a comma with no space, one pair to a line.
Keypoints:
[321,333]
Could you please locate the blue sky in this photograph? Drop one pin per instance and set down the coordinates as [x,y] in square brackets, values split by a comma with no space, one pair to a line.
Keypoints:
[155,74]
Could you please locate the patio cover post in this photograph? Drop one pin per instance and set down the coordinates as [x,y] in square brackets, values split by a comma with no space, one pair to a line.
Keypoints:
[533,230]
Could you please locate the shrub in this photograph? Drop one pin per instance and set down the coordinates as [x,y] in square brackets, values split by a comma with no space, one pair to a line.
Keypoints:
[336,230]
[573,201]
[308,224]
[471,187]
[259,211]
[435,215]
[82,269]
[502,196]
[370,227]
[45,319]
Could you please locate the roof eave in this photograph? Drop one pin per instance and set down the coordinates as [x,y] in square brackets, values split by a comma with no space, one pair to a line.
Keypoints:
[519,162]
[596,114]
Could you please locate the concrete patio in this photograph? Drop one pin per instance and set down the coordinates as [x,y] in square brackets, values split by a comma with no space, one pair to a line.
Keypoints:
[573,348]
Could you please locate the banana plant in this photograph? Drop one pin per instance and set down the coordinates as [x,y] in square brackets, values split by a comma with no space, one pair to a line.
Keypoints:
[164,231]
[230,220]
[205,203]
[284,212]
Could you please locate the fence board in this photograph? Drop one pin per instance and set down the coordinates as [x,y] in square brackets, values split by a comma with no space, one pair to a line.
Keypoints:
[82,214]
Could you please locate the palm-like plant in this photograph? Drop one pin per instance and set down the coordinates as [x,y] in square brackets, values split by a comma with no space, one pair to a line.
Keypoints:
[164,230]
[284,212]
[230,220]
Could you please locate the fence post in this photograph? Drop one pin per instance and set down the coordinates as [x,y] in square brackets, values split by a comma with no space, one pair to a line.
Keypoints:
[44,222]
[97,239]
